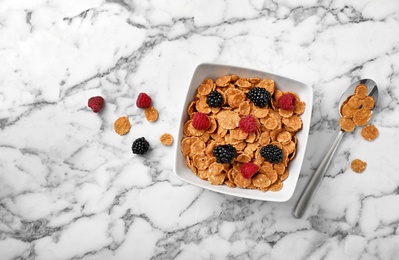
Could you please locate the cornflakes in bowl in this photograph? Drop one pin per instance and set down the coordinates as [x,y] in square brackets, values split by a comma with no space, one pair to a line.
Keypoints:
[282,127]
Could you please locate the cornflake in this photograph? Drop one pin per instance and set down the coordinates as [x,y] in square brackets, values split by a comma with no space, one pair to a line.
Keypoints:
[166,139]
[274,126]
[358,165]
[122,125]
[369,132]
[151,114]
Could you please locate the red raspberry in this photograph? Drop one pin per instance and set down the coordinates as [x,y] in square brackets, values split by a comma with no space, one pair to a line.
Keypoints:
[286,102]
[248,124]
[96,103]
[143,101]
[248,170]
[200,121]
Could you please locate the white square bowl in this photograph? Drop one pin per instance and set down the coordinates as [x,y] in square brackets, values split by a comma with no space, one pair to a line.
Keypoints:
[213,71]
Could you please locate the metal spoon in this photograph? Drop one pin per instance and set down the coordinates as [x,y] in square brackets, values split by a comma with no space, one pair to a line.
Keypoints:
[315,180]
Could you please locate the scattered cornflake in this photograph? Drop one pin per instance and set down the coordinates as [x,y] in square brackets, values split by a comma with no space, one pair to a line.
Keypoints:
[358,165]
[122,125]
[166,139]
[151,114]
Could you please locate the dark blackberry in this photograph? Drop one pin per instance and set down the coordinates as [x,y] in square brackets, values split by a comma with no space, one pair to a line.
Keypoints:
[259,96]
[214,99]
[140,146]
[272,153]
[224,153]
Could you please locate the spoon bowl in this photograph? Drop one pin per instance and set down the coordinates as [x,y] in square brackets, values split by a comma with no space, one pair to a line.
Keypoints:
[372,91]
[317,177]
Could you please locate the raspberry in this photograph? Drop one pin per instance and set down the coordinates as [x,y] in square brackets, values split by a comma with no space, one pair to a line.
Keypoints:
[286,102]
[259,96]
[200,121]
[248,124]
[272,153]
[96,103]
[140,146]
[143,101]
[214,99]
[248,170]
[224,153]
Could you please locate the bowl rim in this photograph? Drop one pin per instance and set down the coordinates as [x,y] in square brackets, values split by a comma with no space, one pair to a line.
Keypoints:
[223,189]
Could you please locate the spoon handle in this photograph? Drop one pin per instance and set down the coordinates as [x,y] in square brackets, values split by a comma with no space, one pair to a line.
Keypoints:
[315,180]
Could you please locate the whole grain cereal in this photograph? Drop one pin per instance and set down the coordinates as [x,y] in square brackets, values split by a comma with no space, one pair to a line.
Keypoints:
[122,125]
[369,132]
[166,139]
[358,165]
[274,126]
[151,114]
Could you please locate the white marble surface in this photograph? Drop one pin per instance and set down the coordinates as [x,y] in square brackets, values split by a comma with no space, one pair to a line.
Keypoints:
[70,188]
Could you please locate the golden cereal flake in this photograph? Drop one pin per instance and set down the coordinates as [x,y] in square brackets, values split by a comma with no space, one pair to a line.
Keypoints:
[166,139]
[358,165]
[278,185]
[346,124]
[271,123]
[348,111]
[151,114]
[186,145]
[244,108]
[368,102]
[198,147]
[243,83]
[261,181]
[238,99]
[223,81]
[122,125]
[204,89]
[268,84]
[243,158]
[228,119]
[200,161]
[260,112]
[299,107]
[361,91]
[217,179]
[240,181]
[369,132]
[285,113]
[215,169]
[284,137]
[362,116]
[354,101]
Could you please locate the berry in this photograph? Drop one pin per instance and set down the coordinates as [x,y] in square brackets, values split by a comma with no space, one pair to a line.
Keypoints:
[272,153]
[259,96]
[224,153]
[248,124]
[286,102]
[248,170]
[140,146]
[143,101]
[200,121]
[96,103]
[214,99]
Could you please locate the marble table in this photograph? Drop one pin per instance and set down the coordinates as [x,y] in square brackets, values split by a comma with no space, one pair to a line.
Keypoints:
[70,187]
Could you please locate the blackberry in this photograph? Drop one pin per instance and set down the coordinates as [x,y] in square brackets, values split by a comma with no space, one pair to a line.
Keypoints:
[214,99]
[272,153]
[140,146]
[224,153]
[259,96]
